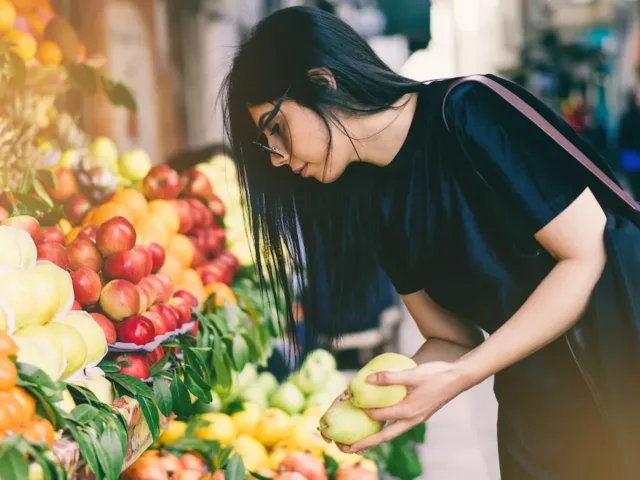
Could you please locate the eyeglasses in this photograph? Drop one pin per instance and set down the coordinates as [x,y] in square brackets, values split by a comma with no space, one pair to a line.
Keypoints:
[267,120]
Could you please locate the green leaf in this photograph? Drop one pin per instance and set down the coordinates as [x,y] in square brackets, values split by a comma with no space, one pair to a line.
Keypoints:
[234,470]
[331,464]
[197,385]
[181,401]
[158,367]
[42,193]
[223,375]
[418,433]
[86,448]
[257,476]
[14,465]
[194,361]
[163,395]
[404,463]
[109,366]
[240,351]
[151,415]
[132,385]
[113,457]
[32,203]
[255,351]
[119,94]
[83,76]
[84,413]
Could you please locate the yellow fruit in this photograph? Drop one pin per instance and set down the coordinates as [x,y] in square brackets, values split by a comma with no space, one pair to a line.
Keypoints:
[147,231]
[174,432]
[306,435]
[23,44]
[313,412]
[366,395]
[91,332]
[73,345]
[182,249]
[133,200]
[276,457]
[37,24]
[220,428]
[49,54]
[273,427]
[64,225]
[24,6]
[347,424]
[107,211]
[62,279]
[246,420]
[223,293]
[252,452]
[7,15]
[173,268]
[166,212]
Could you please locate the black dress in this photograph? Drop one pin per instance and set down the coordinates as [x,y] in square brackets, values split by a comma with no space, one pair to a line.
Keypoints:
[443,234]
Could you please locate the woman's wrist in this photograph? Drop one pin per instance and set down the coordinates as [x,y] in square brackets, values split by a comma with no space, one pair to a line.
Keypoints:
[467,372]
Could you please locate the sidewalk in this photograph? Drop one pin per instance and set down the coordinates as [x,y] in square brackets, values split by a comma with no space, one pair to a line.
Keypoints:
[461,437]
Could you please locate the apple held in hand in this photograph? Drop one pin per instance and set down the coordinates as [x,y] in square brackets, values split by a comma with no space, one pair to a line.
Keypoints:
[120,299]
[115,235]
[137,329]
[134,365]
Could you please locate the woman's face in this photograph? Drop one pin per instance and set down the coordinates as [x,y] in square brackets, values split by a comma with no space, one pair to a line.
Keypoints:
[301,137]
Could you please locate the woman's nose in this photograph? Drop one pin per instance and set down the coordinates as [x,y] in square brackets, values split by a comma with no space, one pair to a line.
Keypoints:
[279,159]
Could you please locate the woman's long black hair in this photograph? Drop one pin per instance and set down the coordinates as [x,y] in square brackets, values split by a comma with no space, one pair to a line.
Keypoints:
[328,231]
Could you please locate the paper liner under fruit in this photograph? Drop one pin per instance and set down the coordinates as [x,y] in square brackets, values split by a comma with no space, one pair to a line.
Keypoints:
[126,347]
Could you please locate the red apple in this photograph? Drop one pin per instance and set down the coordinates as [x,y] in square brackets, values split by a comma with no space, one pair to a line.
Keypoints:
[147,286]
[144,300]
[184,212]
[355,472]
[115,235]
[195,184]
[136,329]
[90,232]
[158,255]
[195,328]
[198,258]
[65,185]
[52,235]
[83,253]
[167,283]
[209,277]
[169,315]
[156,355]
[158,321]
[86,286]
[120,299]
[216,207]
[182,307]
[188,296]
[196,213]
[3,214]
[162,182]
[126,265]
[76,306]
[137,365]
[75,209]
[26,223]
[156,285]
[310,467]
[55,253]
[229,259]
[146,251]
[107,327]
[193,462]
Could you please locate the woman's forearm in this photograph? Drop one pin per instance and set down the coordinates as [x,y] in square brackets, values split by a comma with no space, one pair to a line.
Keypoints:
[549,312]
[437,350]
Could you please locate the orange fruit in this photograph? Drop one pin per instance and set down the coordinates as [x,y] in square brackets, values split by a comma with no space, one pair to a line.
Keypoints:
[109,210]
[24,6]
[147,231]
[223,293]
[88,217]
[23,44]
[37,24]
[8,374]
[40,430]
[191,277]
[82,52]
[25,402]
[182,249]
[6,420]
[7,15]
[173,268]
[49,53]
[7,346]
[71,236]
[166,211]
[133,200]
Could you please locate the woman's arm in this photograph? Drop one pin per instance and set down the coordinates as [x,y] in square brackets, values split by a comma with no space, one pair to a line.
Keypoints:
[435,322]
[438,350]
[576,239]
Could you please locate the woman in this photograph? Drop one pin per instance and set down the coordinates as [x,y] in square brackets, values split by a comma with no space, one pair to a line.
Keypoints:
[481,222]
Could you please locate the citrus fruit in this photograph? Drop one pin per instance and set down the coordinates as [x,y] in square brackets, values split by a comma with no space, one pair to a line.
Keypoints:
[6,420]
[25,402]
[109,210]
[246,420]
[173,268]
[223,293]
[24,6]
[65,225]
[147,231]
[71,236]
[273,427]
[167,212]
[182,249]
[7,346]
[252,452]
[49,54]
[37,24]
[220,428]
[23,44]
[8,374]
[40,430]
[133,200]
[7,15]
[174,432]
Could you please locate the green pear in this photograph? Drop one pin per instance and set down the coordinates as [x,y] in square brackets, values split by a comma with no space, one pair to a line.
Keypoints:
[366,395]
[347,424]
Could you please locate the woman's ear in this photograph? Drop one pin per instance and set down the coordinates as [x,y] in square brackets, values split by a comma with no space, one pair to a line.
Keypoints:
[323,76]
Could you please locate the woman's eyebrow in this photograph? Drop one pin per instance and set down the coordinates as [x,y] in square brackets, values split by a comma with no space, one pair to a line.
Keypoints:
[264,119]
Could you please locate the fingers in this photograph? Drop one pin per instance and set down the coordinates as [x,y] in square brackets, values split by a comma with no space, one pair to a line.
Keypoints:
[399,411]
[385,435]
[408,378]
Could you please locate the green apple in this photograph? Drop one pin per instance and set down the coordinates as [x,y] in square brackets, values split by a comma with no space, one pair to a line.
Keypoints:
[134,164]
[321,400]
[256,395]
[288,398]
[215,405]
[321,358]
[267,381]
[105,152]
[311,378]
[247,376]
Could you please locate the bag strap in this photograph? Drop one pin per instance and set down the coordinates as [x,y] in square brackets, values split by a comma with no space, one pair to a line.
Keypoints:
[529,112]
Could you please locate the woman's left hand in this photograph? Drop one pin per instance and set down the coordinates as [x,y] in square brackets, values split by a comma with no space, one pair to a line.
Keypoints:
[430,386]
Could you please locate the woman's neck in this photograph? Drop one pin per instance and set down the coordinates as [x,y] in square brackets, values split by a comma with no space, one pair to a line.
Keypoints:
[379,137]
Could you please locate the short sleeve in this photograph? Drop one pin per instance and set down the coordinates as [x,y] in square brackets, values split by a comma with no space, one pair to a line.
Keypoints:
[523,165]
